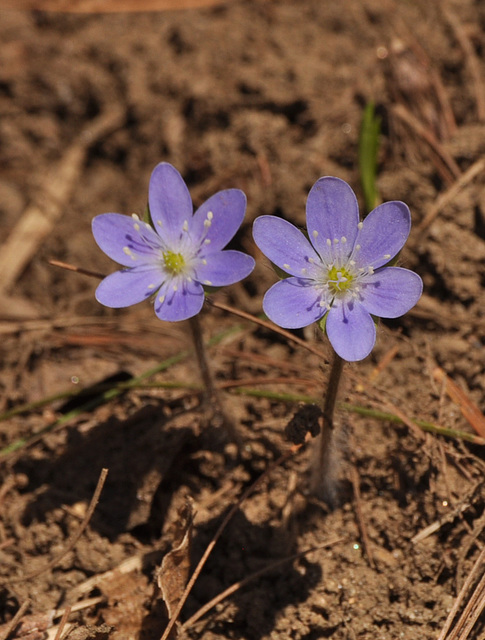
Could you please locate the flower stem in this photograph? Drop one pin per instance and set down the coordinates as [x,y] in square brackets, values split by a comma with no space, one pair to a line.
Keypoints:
[323,482]
[212,396]
[201,355]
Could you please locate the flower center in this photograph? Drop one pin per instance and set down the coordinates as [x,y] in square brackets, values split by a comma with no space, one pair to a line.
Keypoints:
[174,262]
[339,279]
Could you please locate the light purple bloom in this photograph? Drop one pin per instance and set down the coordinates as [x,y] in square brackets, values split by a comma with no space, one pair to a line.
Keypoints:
[182,254]
[340,271]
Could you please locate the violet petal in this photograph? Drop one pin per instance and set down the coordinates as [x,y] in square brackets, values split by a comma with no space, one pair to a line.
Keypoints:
[384,232]
[228,208]
[350,329]
[129,286]
[223,268]
[332,213]
[115,234]
[391,291]
[169,200]
[293,303]
[181,303]
[286,246]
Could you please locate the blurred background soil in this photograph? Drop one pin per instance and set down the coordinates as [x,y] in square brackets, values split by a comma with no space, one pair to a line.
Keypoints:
[266,96]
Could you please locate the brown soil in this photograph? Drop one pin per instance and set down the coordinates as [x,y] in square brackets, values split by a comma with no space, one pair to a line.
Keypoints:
[266,96]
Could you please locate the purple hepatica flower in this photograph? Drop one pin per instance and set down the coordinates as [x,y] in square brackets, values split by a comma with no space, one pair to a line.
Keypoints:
[177,258]
[340,272]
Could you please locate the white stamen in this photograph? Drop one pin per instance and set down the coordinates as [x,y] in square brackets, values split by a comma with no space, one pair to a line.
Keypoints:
[207,223]
[370,270]
[159,222]
[343,240]
[135,216]
[127,251]
[352,263]
[185,226]
[315,234]
[161,299]
[189,279]
[136,226]
[303,271]
[360,225]
[335,240]
[286,266]
[210,215]
[387,256]
[208,282]
[175,288]
[311,260]
[204,261]
[329,242]
[357,247]
[207,241]
[147,225]
[151,286]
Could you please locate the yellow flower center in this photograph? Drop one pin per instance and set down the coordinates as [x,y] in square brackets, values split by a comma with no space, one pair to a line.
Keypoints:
[174,262]
[339,279]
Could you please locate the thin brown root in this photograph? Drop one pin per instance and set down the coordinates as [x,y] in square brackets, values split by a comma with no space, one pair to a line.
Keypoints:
[15,620]
[74,539]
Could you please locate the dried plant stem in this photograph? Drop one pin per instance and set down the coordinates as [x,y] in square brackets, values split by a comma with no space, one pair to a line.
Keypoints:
[323,481]
[474,607]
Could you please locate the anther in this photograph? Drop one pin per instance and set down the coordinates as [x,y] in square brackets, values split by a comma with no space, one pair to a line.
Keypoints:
[286,266]
[185,226]
[315,234]
[343,240]
[207,282]
[175,288]
[387,256]
[207,223]
[161,299]
[135,216]
[207,241]
[360,225]
[329,242]
[210,215]
[151,286]
[127,251]
[336,241]
[136,226]
[204,261]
